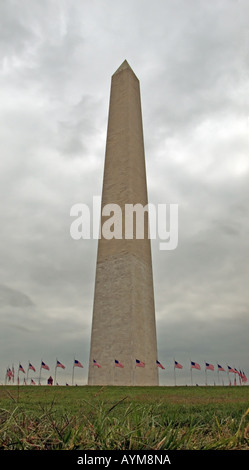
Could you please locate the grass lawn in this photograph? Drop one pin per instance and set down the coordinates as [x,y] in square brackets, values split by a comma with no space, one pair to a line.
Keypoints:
[125,418]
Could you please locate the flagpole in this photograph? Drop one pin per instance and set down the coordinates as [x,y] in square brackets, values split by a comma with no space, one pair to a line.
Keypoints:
[191,373]
[55,372]
[228,375]
[73,371]
[240,381]
[206,372]
[27,372]
[132,370]
[175,371]
[218,374]
[39,383]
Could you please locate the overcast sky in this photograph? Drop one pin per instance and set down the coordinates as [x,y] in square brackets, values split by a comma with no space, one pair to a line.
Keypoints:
[192,60]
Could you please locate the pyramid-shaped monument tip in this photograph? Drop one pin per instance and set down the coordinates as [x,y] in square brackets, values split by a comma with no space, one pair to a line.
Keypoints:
[123,66]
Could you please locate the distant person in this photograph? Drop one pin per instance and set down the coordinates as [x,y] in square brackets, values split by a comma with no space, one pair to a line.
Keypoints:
[50,380]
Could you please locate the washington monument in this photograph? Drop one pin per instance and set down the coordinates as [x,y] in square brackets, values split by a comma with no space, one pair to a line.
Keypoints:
[123,347]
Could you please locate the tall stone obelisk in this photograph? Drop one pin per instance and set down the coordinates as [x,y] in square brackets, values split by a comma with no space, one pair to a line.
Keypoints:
[123,323]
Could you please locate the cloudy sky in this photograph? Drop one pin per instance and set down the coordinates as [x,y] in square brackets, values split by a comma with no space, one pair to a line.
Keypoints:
[192,60]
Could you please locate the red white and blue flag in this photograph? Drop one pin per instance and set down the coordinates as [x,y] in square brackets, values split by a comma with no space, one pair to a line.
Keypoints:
[118,364]
[77,363]
[230,369]
[244,378]
[95,363]
[59,364]
[194,365]
[44,366]
[21,368]
[209,366]
[177,365]
[220,368]
[31,367]
[32,382]
[140,363]
[159,364]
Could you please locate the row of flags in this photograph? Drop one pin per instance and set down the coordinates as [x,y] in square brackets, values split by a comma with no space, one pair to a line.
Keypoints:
[177,365]
[138,363]
[10,372]
[233,370]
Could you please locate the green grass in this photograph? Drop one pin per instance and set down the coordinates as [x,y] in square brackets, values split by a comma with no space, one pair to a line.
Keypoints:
[125,418]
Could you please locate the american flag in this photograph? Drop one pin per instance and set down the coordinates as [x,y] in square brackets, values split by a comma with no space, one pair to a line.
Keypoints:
[159,364]
[95,363]
[31,367]
[194,365]
[230,369]
[77,363]
[44,366]
[59,364]
[177,365]
[21,368]
[244,378]
[32,382]
[118,364]
[220,368]
[209,366]
[140,363]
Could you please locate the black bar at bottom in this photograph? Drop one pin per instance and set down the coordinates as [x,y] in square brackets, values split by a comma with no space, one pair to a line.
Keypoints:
[109,459]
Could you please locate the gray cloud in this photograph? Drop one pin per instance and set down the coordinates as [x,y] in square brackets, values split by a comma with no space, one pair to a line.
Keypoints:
[13,297]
